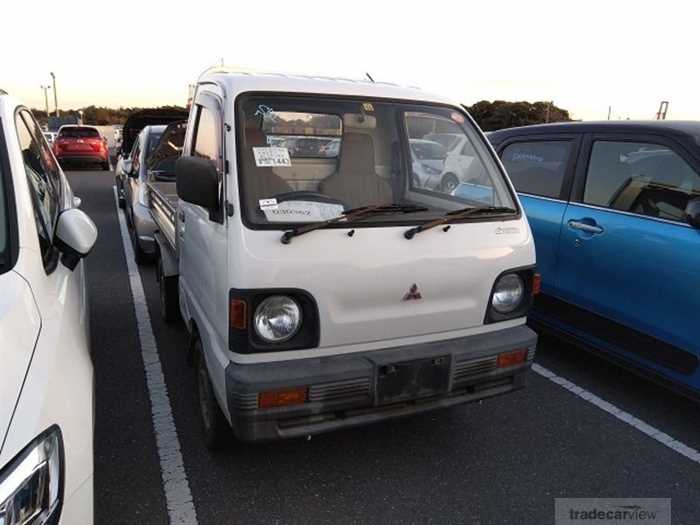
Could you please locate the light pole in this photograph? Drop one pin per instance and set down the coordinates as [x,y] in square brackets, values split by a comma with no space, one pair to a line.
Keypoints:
[45,89]
[55,95]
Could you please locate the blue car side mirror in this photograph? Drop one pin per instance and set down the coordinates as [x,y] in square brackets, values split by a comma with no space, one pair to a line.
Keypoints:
[692,212]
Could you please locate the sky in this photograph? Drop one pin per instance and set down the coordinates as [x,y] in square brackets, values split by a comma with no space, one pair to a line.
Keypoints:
[583,56]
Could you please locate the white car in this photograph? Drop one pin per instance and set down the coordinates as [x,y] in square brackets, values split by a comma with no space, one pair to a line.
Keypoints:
[46,371]
[461,163]
[324,293]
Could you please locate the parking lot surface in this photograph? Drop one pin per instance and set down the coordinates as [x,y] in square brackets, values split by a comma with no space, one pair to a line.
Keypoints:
[503,460]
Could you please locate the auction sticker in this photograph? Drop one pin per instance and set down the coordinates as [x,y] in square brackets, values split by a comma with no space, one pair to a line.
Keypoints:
[302,211]
[271,157]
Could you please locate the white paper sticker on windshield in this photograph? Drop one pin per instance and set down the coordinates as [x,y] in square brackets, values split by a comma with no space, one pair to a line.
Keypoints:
[267,203]
[271,157]
[302,211]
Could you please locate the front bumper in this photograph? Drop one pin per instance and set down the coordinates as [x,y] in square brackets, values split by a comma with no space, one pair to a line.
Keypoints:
[144,226]
[344,390]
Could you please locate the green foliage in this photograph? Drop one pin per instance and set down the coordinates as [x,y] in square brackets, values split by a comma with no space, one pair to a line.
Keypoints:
[500,114]
[96,115]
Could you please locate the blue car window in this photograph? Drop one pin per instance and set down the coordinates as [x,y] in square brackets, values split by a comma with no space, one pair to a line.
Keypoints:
[643,178]
[537,167]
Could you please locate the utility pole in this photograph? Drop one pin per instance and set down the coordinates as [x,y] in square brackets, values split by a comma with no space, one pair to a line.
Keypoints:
[55,95]
[45,89]
[663,109]
[609,111]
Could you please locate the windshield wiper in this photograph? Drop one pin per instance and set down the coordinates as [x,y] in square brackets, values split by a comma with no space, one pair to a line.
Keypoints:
[349,216]
[456,215]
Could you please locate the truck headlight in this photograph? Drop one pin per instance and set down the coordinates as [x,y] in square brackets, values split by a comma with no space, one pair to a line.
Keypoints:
[31,485]
[508,293]
[277,318]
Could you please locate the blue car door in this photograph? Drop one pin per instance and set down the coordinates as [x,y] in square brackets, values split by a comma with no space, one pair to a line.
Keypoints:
[629,264]
[541,169]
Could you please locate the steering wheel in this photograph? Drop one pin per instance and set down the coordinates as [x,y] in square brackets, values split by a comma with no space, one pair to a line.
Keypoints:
[312,196]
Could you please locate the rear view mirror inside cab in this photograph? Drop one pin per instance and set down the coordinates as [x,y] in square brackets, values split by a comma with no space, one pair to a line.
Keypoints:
[359,121]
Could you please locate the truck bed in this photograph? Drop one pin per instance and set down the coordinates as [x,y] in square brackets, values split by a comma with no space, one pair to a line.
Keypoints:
[163,203]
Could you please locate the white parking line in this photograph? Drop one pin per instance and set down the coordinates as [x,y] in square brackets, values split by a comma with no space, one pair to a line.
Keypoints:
[627,418]
[178,497]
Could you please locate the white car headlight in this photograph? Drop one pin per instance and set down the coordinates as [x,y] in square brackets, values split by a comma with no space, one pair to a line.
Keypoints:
[31,485]
[508,293]
[277,318]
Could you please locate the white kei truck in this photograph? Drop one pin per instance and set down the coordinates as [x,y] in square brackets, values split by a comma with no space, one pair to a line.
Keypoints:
[321,288]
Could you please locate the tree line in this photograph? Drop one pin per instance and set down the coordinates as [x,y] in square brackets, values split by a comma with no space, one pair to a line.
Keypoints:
[96,115]
[501,114]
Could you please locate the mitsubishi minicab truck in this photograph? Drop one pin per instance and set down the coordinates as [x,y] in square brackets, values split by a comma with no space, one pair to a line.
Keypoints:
[322,286]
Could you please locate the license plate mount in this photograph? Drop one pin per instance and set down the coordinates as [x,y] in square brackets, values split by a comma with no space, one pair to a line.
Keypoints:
[415,379]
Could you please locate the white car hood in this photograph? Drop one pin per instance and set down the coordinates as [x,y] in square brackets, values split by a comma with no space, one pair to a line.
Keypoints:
[20,324]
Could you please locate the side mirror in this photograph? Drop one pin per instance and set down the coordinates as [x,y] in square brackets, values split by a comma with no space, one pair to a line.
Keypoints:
[198,182]
[692,212]
[127,166]
[75,236]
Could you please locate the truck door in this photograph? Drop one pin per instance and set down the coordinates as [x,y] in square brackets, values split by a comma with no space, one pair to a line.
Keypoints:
[541,169]
[203,247]
[628,260]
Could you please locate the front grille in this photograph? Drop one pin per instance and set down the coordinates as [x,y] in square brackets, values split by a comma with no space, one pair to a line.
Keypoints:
[465,370]
[339,389]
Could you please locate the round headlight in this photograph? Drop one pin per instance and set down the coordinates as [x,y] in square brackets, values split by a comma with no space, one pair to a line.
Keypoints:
[508,293]
[277,318]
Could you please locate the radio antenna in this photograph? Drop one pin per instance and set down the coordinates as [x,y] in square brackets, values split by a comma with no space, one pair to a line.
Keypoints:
[370,78]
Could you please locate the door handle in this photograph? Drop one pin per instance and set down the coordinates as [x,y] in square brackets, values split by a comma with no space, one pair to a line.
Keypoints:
[585,227]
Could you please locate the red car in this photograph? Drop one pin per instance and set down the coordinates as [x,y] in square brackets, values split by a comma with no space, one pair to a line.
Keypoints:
[82,144]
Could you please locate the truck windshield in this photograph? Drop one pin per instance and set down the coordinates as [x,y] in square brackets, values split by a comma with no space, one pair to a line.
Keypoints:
[309,159]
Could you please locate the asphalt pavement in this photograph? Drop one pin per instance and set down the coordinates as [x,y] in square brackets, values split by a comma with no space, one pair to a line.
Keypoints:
[503,460]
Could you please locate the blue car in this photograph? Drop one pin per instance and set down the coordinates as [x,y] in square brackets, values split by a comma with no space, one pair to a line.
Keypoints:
[615,211]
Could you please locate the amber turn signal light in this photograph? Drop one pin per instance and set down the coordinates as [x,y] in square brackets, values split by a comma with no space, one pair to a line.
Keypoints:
[282,398]
[516,357]
[536,284]
[237,314]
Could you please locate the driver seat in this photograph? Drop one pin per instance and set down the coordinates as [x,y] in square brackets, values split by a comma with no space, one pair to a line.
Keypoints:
[260,183]
[356,182]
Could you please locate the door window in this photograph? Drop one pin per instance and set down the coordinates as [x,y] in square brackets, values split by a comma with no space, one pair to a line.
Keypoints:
[44,183]
[643,178]
[206,139]
[538,168]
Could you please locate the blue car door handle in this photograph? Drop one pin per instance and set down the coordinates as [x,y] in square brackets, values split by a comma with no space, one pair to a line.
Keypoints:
[585,227]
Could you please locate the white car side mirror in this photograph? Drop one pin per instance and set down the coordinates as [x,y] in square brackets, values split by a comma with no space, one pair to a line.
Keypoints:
[127,166]
[75,236]
[77,201]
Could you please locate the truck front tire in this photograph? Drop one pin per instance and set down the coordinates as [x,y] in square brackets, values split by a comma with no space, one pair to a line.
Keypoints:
[217,432]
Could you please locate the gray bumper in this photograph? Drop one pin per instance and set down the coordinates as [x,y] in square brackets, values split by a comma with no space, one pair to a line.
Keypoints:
[144,226]
[344,390]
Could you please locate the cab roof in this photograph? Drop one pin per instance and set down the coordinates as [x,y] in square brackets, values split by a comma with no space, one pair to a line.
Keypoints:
[237,81]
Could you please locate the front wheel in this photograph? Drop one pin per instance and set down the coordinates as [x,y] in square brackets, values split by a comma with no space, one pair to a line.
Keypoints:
[105,166]
[217,432]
